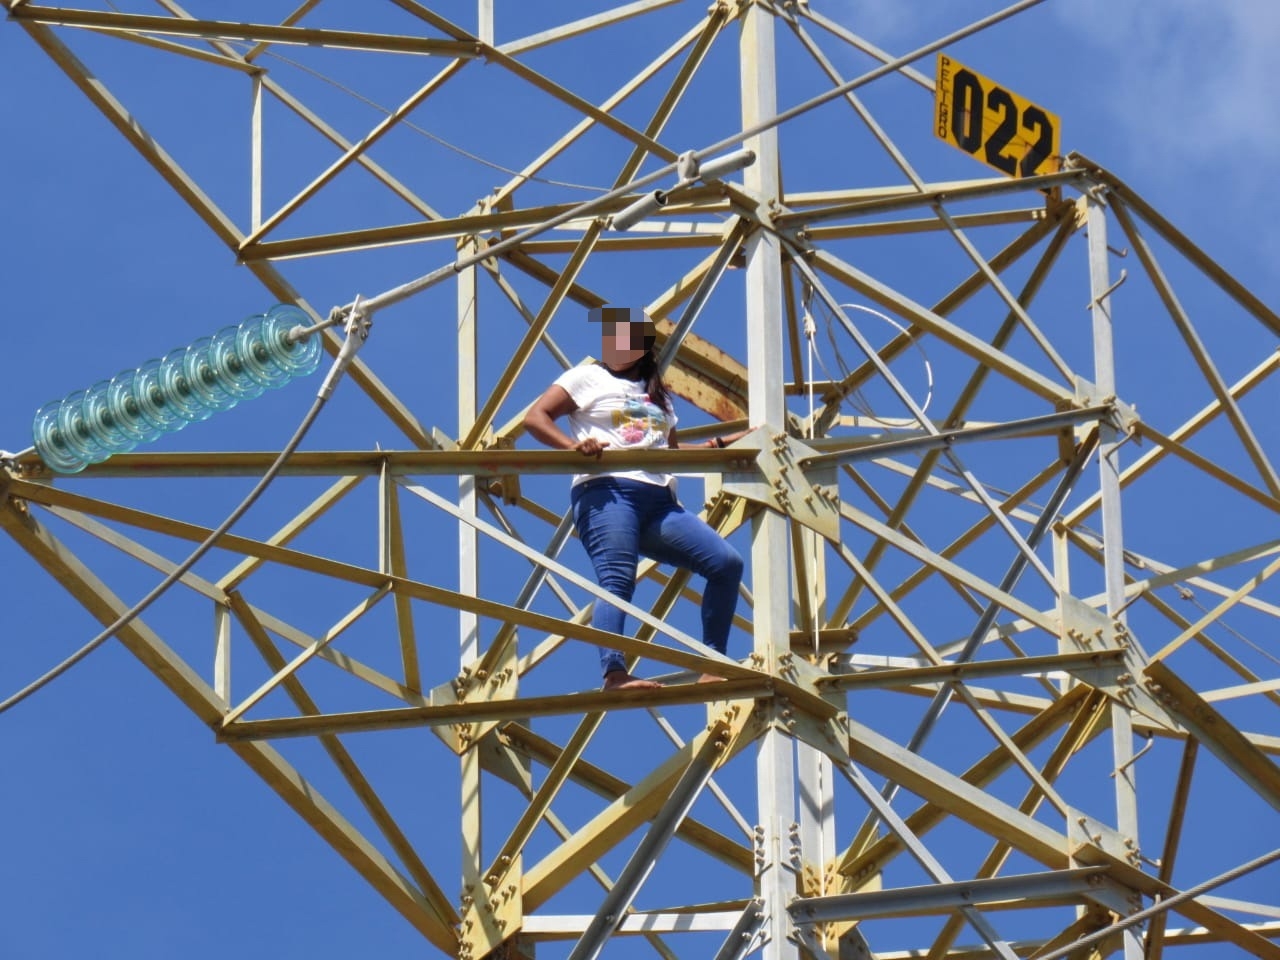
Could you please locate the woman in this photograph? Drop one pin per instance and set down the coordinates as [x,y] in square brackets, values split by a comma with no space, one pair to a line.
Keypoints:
[622,403]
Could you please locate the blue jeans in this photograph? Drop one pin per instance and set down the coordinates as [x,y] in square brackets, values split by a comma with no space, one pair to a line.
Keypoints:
[619,519]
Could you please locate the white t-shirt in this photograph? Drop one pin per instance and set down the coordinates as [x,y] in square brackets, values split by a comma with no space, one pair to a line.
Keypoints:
[618,412]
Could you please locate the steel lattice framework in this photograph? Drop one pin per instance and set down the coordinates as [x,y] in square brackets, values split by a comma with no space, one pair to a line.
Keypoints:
[964,620]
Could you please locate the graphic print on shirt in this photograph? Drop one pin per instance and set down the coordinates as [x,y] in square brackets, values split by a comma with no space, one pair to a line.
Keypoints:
[638,417]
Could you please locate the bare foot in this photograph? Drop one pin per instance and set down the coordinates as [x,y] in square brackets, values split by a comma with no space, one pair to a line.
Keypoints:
[710,678]
[621,680]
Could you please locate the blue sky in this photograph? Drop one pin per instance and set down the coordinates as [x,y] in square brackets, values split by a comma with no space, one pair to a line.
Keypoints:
[127,831]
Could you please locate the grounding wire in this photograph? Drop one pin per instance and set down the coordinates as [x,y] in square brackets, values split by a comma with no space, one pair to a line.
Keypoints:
[1186,593]
[810,334]
[339,365]
[855,396]
[427,280]
[805,106]
[422,130]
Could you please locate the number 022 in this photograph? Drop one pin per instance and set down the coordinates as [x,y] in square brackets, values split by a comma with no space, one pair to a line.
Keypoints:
[985,117]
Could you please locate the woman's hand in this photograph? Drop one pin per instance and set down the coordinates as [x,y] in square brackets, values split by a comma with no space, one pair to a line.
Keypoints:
[590,447]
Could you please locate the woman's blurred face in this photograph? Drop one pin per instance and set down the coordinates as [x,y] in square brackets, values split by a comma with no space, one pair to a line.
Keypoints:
[622,343]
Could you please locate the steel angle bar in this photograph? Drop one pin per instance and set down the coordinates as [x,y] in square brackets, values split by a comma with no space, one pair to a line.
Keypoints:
[391,555]
[1017,216]
[731,241]
[1162,905]
[665,823]
[1015,308]
[354,152]
[963,671]
[1215,732]
[715,789]
[939,326]
[858,43]
[349,769]
[510,292]
[434,227]
[945,566]
[922,855]
[909,402]
[939,439]
[578,27]
[1202,261]
[647,926]
[1267,366]
[1207,466]
[928,196]
[945,897]
[522,352]
[610,104]
[529,590]
[1172,843]
[965,290]
[1242,906]
[1059,231]
[853,100]
[255,617]
[293,528]
[585,107]
[198,696]
[577,579]
[740,939]
[1235,597]
[543,926]
[306,655]
[184,50]
[486,711]
[227,30]
[1047,515]
[1198,351]
[132,548]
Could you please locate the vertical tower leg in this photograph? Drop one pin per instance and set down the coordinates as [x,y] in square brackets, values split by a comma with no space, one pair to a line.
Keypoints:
[1112,534]
[468,575]
[776,878]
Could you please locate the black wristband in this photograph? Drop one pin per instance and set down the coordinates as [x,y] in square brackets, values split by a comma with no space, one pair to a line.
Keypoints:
[720,442]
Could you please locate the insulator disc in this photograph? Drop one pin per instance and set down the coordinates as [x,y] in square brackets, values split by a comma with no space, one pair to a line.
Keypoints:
[297,358]
[230,366]
[130,417]
[75,429]
[51,443]
[202,375]
[148,391]
[103,422]
[178,391]
[256,355]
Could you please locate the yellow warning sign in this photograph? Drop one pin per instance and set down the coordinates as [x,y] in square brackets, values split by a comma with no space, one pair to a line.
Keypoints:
[997,126]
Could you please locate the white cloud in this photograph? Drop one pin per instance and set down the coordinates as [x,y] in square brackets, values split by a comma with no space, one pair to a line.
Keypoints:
[1188,78]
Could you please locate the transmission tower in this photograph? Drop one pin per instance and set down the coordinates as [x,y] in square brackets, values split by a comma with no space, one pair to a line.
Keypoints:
[984,679]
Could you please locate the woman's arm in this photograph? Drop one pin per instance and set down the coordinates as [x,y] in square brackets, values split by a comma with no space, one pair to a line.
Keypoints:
[674,443]
[541,419]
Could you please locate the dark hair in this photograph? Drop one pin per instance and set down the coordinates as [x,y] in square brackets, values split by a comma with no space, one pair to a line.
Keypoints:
[655,386]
